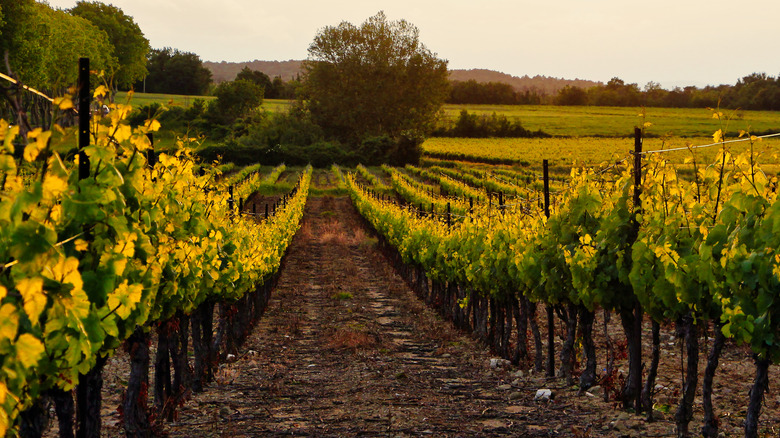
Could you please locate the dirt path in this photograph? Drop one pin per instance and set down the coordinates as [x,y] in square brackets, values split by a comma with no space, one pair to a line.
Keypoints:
[346,349]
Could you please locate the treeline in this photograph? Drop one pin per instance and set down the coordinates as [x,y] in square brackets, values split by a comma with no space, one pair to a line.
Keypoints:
[757,91]
[175,72]
[43,43]
[495,93]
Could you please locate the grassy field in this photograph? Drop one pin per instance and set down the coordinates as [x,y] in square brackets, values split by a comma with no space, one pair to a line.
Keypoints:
[584,135]
[569,121]
[589,121]
[565,153]
[141,99]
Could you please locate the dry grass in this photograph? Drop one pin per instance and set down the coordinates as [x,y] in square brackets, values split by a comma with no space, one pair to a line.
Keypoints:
[350,339]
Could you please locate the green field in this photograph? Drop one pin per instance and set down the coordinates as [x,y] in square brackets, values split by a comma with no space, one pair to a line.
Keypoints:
[141,99]
[598,121]
[568,121]
[583,135]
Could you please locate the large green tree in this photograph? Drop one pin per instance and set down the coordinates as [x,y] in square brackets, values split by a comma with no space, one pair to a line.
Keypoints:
[174,72]
[44,44]
[372,80]
[130,45]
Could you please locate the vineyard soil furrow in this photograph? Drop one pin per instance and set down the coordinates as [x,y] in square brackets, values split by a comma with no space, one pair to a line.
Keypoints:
[346,349]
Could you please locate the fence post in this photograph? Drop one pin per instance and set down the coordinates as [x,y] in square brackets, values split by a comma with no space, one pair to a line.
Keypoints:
[84,116]
[151,157]
[550,313]
[449,216]
[230,198]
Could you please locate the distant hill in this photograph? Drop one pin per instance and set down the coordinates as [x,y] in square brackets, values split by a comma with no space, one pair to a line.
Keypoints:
[542,84]
[227,71]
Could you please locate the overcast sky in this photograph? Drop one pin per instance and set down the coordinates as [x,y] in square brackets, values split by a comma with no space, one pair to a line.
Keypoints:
[674,42]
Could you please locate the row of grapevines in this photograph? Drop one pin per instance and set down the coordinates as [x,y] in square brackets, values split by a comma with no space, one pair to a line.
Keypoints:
[423,195]
[450,185]
[371,178]
[86,261]
[701,249]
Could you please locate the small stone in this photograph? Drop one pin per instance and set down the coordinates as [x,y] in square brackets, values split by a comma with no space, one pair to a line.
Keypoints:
[516,382]
[543,395]
[596,390]
[230,357]
[515,395]
[505,387]
[519,374]
[499,363]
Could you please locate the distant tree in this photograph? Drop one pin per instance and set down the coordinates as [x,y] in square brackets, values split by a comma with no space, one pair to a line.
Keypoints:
[175,72]
[235,99]
[130,45]
[257,77]
[372,80]
[570,95]
[473,92]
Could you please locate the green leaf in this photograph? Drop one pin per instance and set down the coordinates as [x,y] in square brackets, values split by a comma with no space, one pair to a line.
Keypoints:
[29,349]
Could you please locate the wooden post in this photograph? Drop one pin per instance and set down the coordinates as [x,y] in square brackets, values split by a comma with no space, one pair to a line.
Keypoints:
[550,313]
[449,216]
[84,116]
[635,365]
[151,157]
[230,199]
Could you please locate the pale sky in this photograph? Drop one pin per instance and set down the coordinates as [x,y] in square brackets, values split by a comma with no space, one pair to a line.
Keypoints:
[673,42]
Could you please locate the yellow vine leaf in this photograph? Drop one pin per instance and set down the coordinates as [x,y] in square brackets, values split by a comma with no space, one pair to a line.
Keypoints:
[81,245]
[67,271]
[100,91]
[29,350]
[647,124]
[63,103]
[152,125]
[3,293]
[125,298]
[34,298]
[9,321]
[53,186]
[717,137]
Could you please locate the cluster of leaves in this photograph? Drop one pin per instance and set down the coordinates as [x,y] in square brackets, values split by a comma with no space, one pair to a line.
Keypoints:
[83,262]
